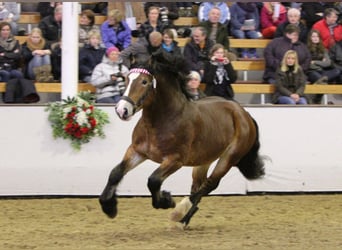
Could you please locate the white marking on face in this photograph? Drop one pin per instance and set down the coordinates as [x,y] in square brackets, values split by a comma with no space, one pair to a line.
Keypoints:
[131,78]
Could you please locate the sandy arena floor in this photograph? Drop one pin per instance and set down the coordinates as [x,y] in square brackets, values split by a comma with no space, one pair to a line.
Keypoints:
[223,222]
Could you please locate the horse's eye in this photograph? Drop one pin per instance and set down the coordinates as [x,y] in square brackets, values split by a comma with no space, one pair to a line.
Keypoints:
[144,82]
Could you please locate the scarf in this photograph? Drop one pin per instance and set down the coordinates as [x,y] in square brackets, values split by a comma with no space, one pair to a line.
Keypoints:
[167,48]
[33,46]
[331,28]
[8,44]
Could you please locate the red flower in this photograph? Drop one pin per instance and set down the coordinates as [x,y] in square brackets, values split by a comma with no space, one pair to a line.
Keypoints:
[92,122]
[84,130]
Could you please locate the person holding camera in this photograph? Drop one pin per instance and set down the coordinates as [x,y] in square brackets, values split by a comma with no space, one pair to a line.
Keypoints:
[219,74]
[109,77]
[168,12]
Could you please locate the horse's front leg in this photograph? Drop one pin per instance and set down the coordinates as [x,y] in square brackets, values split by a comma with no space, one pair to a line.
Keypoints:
[108,197]
[162,199]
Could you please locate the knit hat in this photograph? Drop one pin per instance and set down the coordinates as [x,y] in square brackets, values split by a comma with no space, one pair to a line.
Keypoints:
[111,49]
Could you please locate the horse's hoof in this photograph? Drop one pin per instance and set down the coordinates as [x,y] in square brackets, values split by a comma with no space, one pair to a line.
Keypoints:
[109,208]
[178,226]
[166,200]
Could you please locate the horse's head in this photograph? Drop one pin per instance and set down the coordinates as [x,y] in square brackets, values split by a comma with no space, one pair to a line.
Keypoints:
[140,84]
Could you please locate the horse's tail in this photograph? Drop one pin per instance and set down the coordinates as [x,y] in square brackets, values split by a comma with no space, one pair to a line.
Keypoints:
[252,164]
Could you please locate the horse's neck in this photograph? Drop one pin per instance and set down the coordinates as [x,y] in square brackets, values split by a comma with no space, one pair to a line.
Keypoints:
[168,99]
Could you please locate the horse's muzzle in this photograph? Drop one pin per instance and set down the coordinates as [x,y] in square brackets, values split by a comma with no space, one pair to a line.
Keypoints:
[124,109]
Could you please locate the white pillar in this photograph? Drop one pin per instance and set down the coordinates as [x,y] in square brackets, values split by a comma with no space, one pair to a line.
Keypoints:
[69,49]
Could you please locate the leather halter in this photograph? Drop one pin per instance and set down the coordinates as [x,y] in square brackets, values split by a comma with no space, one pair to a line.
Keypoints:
[142,98]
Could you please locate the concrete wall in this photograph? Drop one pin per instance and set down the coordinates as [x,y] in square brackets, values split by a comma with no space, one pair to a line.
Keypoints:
[303,143]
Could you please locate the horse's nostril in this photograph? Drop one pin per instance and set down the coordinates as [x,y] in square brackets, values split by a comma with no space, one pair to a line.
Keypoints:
[125,113]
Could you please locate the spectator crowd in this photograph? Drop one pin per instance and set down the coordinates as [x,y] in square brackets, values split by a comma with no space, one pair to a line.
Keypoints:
[306,45]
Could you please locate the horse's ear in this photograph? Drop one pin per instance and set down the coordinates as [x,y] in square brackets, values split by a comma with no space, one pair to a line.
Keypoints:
[132,59]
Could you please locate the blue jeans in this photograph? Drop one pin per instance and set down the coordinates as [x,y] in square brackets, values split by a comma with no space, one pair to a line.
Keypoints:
[13,73]
[289,100]
[112,99]
[332,75]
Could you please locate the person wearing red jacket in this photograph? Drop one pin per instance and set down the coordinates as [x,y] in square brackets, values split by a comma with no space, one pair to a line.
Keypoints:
[272,14]
[329,29]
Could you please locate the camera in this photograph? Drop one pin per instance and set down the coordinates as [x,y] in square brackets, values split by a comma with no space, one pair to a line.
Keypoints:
[119,77]
[164,15]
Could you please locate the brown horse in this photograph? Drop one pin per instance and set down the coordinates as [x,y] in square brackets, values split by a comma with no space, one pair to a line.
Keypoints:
[176,132]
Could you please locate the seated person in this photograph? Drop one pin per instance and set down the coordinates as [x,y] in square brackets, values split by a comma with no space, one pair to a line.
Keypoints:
[331,31]
[169,45]
[109,77]
[51,26]
[36,53]
[216,31]
[290,81]
[153,23]
[219,74]
[90,55]
[115,31]
[312,11]
[205,8]
[86,24]
[9,54]
[276,49]
[321,64]
[47,8]
[293,17]
[196,51]
[192,86]
[272,14]
[9,12]
[168,12]
[142,50]
[245,22]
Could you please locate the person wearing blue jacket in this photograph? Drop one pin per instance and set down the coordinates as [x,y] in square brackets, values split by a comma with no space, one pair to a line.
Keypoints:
[245,23]
[90,55]
[115,31]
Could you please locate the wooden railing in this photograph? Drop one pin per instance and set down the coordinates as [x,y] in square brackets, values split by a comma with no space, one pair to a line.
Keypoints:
[238,88]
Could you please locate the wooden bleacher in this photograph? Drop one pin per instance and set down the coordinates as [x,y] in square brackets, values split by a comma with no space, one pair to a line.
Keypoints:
[34,18]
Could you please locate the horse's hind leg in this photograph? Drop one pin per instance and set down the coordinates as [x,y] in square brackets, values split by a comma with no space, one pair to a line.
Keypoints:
[199,175]
[224,164]
[108,197]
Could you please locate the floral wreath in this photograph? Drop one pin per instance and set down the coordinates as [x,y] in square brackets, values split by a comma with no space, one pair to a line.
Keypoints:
[77,119]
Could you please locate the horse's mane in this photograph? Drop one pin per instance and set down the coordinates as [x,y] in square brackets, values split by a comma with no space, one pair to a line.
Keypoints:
[173,66]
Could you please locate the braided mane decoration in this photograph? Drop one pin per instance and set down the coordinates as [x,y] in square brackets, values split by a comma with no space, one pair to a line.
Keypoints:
[140,70]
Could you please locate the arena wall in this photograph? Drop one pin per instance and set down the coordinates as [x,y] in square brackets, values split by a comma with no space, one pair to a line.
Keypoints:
[303,144]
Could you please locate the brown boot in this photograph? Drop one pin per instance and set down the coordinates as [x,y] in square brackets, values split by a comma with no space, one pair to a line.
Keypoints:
[38,74]
[46,69]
